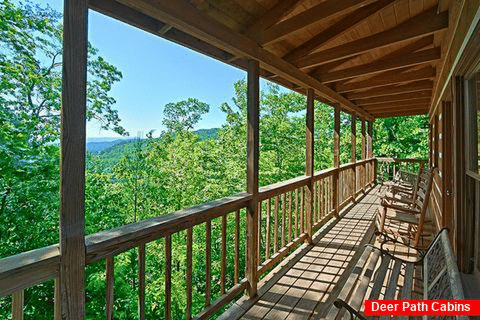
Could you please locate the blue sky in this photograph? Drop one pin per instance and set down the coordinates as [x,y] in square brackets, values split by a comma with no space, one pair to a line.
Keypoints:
[155,72]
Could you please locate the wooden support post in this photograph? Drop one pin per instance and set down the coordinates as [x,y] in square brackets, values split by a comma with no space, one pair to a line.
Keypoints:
[336,160]
[370,151]
[353,141]
[362,177]
[72,160]
[448,217]
[309,164]
[252,175]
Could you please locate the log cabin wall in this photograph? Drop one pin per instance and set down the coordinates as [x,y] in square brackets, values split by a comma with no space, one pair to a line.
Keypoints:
[455,193]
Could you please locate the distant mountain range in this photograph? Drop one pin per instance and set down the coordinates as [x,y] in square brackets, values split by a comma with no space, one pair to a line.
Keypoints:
[97,145]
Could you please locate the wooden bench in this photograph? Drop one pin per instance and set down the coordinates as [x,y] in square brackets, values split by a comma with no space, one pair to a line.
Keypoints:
[379,274]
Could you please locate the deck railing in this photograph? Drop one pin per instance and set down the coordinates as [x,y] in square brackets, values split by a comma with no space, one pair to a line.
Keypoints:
[389,167]
[283,225]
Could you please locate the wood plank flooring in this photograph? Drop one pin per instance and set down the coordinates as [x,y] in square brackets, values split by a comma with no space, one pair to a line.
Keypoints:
[305,285]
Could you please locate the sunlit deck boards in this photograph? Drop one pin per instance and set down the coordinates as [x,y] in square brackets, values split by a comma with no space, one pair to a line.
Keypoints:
[305,286]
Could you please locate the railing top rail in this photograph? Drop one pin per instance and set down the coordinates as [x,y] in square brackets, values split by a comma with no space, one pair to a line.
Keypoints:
[114,241]
[28,268]
[282,187]
[398,160]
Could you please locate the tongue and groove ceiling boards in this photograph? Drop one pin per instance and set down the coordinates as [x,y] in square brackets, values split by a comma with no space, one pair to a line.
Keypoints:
[372,58]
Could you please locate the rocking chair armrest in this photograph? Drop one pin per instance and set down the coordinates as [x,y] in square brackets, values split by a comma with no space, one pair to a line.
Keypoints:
[399,208]
[387,239]
[354,314]
[391,199]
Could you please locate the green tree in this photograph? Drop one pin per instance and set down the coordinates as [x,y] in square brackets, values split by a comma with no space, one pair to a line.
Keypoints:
[183,115]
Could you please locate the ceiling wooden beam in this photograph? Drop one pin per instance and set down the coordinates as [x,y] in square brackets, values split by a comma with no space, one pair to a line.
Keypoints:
[408,60]
[391,90]
[281,9]
[329,8]
[413,112]
[396,97]
[420,74]
[395,104]
[185,17]
[423,24]
[402,109]
[337,29]
[133,17]
[401,52]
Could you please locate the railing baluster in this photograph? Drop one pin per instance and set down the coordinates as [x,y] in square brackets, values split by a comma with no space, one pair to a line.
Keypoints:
[296,212]
[57,295]
[275,230]
[290,212]
[189,273]
[302,210]
[267,232]
[109,285]
[237,245]
[141,281]
[17,305]
[224,254]
[168,277]
[259,241]
[208,251]
[284,207]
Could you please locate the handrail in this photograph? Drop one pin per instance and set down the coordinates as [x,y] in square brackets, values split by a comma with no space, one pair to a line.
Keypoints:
[29,268]
[115,241]
[399,160]
[282,187]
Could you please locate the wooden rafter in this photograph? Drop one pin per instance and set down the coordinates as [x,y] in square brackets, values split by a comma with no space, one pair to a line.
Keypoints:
[404,108]
[329,8]
[383,80]
[411,102]
[142,21]
[395,97]
[402,113]
[391,90]
[409,60]
[396,54]
[337,29]
[185,17]
[282,8]
[423,24]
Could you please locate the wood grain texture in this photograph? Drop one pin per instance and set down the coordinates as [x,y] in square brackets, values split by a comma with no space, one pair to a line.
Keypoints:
[72,159]
[109,278]
[336,161]
[329,8]
[208,262]
[409,60]
[141,281]
[18,300]
[309,163]
[423,24]
[337,29]
[385,79]
[252,249]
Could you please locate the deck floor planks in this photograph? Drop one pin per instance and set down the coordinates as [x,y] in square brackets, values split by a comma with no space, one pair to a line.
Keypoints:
[309,286]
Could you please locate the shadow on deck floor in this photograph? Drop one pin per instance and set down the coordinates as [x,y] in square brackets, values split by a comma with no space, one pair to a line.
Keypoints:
[305,284]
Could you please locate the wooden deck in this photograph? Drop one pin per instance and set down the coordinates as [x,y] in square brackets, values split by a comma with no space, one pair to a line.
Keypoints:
[305,285]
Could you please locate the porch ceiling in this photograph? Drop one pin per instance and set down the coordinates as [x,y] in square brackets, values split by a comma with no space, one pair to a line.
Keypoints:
[373,58]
